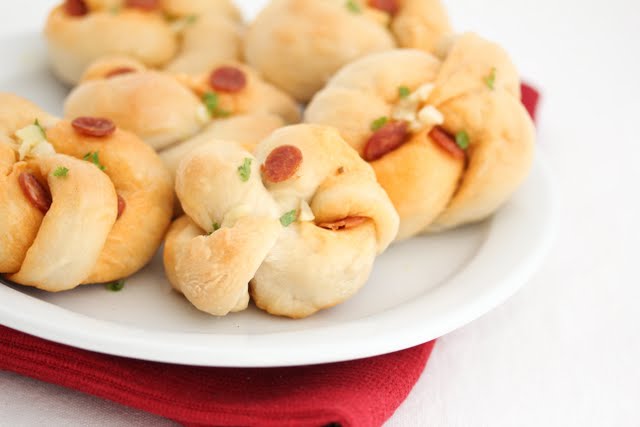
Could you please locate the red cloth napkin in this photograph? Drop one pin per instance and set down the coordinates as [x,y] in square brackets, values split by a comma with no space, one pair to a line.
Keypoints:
[362,392]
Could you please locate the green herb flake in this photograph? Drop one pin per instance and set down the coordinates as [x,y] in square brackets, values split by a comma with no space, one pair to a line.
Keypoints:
[42,131]
[353,6]
[93,157]
[244,170]
[211,100]
[289,218]
[216,227]
[115,286]
[462,139]
[403,92]
[60,172]
[191,19]
[490,80]
[378,123]
[114,10]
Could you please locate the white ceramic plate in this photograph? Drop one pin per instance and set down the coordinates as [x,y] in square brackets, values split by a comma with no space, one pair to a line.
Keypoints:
[418,291]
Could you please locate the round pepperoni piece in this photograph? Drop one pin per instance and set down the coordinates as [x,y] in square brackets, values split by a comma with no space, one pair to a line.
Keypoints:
[76,7]
[122,205]
[389,6]
[344,223]
[282,163]
[228,79]
[93,126]
[146,5]
[35,192]
[119,71]
[445,141]
[386,139]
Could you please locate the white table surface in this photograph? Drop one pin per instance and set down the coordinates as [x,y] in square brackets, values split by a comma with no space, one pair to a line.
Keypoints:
[565,350]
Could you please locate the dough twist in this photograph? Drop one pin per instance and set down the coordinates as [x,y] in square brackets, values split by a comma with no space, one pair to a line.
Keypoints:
[299,44]
[296,224]
[180,35]
[167,110]
[81,202]
[449,140]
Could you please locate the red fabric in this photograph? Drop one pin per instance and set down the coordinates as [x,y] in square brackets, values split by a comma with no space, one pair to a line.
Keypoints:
[357,393]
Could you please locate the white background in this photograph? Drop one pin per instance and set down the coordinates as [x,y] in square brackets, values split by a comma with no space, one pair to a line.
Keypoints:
[566,349]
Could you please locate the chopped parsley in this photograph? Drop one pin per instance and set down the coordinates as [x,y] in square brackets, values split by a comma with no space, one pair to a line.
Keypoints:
[403,92]
[114,10]
[115,286]
[211,101]
[216,227]
[60,172]
[353,7]
[490,80]
[378,123]
[191,19]
[462,139]
[288,218]
[42,131]
[92,157]
[244,170]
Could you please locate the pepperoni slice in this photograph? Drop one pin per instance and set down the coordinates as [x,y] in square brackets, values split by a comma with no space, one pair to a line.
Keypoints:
[344,223]
[119,71]
[386,139]
[228,79]
[389,6]
[93,126]
[122,205]
[35,192]
[445,141]
[76,7]
[146,5]
[282,163]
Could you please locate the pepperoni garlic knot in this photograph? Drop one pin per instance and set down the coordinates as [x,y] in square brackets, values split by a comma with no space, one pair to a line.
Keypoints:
[299,44]
[168,110]
[174,35]
[98,199]
[277,224]
[447,137]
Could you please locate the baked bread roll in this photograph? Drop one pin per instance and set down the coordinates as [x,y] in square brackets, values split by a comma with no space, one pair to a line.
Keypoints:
[155,32]
[299,44]
[164,109]
[449,140]
[296,224]
[84,202]
[152,104]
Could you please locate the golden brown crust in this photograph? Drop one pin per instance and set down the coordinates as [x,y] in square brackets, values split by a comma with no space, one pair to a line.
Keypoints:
[85,236]
[74,230]
[153,105]
[299,44]
[20,219]
[166,110]
[474,90]
[142,180]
